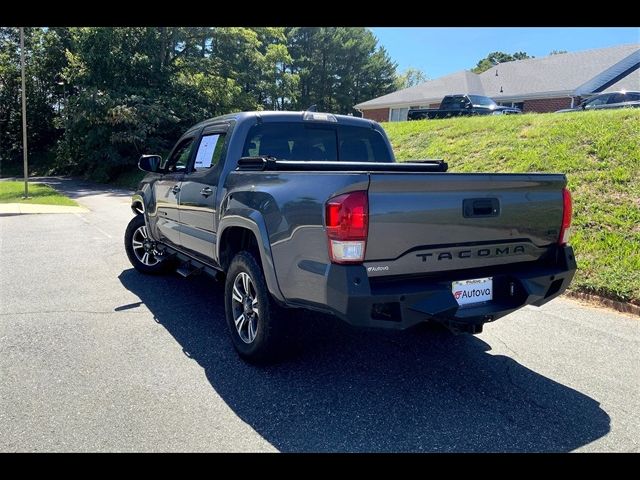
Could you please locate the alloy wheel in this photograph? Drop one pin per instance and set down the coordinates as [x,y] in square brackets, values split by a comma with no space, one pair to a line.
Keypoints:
[144,247]
[244,302]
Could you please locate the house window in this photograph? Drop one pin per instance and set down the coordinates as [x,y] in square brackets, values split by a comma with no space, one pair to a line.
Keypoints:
[398,114]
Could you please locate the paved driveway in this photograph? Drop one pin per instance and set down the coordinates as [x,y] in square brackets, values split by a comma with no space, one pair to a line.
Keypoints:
[94,356]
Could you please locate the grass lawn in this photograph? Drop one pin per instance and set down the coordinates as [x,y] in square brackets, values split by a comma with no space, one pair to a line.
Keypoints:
[11,192]
[599,152]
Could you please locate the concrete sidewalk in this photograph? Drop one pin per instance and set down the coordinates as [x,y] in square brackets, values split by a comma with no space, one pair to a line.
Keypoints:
[30,208]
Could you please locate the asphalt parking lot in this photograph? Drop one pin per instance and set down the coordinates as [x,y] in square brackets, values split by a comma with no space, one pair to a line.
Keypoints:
[97,357]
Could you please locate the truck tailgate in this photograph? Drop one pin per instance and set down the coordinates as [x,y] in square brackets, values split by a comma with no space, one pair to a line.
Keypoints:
[433,222]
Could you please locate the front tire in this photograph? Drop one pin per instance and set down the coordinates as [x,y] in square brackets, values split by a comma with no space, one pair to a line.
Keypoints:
[141,248]
[256,324]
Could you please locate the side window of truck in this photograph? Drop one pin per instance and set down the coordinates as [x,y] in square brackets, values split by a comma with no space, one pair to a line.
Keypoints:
[209,151]
[179,158]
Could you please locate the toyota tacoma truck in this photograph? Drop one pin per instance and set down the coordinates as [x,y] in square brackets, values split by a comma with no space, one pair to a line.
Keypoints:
[309,210]
[462,106]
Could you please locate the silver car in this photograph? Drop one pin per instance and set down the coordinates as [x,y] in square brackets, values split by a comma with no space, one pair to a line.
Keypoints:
[609,100]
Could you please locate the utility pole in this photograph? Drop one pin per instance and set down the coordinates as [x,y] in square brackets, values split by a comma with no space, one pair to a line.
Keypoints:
[24,118]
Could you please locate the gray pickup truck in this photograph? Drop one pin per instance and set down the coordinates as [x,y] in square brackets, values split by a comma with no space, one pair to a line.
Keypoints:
[308,210]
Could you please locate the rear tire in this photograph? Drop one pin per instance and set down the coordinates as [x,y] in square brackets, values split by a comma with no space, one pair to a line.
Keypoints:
[140,249]
[257,325]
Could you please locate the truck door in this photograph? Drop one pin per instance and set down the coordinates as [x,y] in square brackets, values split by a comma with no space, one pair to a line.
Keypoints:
[198,195]
[167,191]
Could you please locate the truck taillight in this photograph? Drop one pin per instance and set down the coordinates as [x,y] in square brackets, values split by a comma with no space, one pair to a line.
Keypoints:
[347,220]
[565,229]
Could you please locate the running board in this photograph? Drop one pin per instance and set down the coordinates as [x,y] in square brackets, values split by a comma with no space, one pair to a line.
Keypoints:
[189,266]
[186,270]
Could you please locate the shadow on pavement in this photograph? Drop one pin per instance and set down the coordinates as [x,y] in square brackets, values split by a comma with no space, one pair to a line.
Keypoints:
[76,188]
[354,390]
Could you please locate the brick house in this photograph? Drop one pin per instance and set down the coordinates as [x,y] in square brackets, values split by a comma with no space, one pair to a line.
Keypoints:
[543,84]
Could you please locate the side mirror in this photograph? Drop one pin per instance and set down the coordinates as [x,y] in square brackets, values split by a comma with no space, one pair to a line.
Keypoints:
[150,163]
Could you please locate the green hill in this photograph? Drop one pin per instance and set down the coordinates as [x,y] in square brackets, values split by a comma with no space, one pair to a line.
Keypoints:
[599,152]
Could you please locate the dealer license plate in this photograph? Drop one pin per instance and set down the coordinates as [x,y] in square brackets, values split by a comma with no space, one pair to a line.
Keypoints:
[478,290]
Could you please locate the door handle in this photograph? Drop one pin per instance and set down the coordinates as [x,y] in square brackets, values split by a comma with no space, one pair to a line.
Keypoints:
[176,189]
[206,191]
[480,207]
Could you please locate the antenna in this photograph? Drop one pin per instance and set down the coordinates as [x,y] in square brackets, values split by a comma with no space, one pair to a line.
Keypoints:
[312,108]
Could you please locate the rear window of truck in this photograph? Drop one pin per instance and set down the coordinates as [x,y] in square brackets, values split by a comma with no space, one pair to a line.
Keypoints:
[299,141]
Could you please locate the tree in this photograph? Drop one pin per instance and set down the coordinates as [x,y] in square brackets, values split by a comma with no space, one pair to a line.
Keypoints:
[44,60]
[377,77]
[136,89]
[495,58]
[278,86]
[410,78]
[99,97]
[338,67]
[557,52]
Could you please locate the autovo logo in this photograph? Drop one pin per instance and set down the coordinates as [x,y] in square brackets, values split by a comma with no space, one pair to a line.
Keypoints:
[381,268]
[478,292]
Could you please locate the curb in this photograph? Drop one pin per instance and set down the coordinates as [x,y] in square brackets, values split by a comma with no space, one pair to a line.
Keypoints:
[607,302]
[11,209]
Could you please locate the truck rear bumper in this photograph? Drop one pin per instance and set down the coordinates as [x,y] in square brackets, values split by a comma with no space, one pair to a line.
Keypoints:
[400,304]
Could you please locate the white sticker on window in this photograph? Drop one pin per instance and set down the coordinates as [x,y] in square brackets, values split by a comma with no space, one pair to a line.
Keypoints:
[205,151]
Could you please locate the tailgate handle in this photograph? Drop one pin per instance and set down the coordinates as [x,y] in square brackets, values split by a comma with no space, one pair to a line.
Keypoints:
[480,207]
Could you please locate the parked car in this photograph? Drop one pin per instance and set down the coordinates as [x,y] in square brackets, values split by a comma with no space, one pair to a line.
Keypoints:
[460,106]
[603,101]
[310,210]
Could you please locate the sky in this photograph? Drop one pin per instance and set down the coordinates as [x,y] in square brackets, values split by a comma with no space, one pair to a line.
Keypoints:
[438,51]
